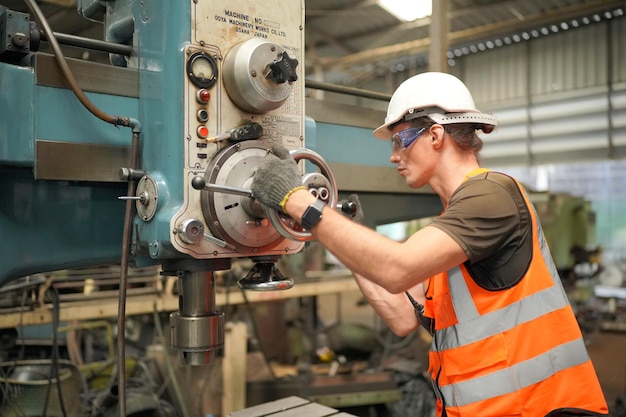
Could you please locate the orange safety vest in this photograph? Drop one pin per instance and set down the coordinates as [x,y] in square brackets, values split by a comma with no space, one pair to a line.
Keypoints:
[512,352]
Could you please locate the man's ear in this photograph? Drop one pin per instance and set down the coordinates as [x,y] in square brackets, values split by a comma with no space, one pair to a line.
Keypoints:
[437,135]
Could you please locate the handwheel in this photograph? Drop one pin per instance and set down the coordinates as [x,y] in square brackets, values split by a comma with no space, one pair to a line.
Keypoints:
[322,185]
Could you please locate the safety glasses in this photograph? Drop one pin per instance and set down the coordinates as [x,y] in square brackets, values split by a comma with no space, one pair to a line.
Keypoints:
[405,138]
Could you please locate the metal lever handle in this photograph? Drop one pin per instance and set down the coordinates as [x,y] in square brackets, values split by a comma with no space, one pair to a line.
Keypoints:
[199,183]
[248,131]
[218,242]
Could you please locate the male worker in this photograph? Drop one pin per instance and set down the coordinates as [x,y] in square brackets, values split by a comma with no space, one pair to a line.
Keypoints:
[505,339]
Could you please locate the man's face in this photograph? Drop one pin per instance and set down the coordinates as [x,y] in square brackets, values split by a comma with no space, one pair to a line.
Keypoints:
[410,153]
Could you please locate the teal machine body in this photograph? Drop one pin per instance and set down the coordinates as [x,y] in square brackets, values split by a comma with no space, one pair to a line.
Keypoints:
[209,87]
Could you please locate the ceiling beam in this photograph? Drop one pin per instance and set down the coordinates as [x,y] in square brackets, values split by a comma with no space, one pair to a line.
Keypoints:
[510,26]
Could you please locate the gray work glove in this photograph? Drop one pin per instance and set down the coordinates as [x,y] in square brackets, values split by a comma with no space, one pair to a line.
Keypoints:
[276,179]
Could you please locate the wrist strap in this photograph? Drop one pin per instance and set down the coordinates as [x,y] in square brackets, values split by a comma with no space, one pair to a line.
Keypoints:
[286,197]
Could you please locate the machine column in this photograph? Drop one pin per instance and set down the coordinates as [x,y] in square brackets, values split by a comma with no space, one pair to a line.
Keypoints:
[197,329]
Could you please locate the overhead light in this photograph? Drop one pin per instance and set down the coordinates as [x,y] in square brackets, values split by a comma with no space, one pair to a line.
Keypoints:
[408,10]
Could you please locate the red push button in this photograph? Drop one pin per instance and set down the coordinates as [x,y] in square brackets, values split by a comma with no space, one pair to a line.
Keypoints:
[203,95]
[203,132]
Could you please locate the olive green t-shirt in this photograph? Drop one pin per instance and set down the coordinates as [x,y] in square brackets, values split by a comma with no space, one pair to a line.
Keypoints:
[488,217]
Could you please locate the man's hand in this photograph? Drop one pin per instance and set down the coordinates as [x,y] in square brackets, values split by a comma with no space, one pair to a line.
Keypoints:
[276,179]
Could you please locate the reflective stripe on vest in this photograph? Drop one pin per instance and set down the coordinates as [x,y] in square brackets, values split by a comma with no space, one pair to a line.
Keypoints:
[473,327]
[527,309]
[517,376]
[522,311]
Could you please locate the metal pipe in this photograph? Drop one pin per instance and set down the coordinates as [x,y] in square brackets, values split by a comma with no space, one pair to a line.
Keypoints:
[86,43]
[346,90]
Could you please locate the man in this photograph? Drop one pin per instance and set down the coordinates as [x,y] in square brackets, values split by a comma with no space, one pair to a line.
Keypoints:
[480,278]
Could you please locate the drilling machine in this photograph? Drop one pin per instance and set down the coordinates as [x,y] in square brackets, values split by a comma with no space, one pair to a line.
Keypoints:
[196,94]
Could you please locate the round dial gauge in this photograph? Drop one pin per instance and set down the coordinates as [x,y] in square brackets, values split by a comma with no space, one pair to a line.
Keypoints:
[202,69]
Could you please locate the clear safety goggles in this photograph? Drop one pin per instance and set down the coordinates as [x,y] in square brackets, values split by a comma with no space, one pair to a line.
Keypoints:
[403,139]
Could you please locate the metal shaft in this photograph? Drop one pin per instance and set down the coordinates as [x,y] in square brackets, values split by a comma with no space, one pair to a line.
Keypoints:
[228,190]
[86,43]
[197,329]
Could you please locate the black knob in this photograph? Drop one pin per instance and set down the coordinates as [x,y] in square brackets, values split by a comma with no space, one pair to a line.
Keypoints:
[349,208]
[198,182]
[283,69]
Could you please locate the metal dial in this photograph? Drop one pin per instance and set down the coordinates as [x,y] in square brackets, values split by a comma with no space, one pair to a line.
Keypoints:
[237,219]
[148,194]
[255,75]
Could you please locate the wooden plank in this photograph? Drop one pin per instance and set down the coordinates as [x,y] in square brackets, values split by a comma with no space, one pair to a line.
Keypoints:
[307,410]
[270,407]
[289,407]
[234,367]
[147,304]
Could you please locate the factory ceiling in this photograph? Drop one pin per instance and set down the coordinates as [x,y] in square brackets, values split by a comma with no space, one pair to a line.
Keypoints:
[356,40]
[353,41]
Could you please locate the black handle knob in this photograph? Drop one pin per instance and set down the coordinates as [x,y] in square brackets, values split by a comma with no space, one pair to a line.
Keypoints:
[248,131]
[198,182]
[349,208]
[283,69]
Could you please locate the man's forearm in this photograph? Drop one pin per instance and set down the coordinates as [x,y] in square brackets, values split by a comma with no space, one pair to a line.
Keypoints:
[395,309]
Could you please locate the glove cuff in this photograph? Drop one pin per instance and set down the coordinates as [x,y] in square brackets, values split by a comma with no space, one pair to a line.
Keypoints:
[286,197]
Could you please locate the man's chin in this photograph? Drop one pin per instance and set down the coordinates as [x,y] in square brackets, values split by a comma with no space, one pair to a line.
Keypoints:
[414,184]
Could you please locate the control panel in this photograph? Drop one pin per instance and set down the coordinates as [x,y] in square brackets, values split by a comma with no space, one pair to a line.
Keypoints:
[243,92]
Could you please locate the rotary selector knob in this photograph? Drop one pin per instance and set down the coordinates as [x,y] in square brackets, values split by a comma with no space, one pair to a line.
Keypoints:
[283,69]
[258,75]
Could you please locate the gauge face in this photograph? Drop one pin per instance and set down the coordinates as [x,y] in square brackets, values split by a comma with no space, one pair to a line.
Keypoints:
[202,69]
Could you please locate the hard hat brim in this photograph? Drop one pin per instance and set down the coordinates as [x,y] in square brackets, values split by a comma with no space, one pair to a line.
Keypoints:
[382,132]
[487,121]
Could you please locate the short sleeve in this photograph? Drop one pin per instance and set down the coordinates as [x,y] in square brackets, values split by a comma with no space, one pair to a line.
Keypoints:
[482,217]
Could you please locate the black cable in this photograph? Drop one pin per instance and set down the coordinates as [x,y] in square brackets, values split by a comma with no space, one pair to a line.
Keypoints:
[22,353]
[55,356]
[8,392]
[125,263]
[5,389]
[55,333]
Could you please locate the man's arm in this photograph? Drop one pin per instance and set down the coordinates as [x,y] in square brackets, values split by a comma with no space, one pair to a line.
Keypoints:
[392,265]
[395,309]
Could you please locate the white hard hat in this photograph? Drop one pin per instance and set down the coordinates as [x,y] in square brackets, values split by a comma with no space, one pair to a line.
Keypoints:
[442,97]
